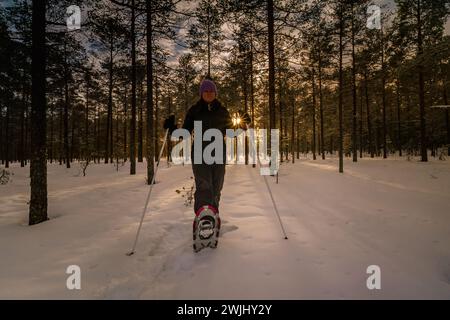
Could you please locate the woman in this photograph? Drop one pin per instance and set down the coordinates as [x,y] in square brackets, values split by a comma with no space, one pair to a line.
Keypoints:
[209,178]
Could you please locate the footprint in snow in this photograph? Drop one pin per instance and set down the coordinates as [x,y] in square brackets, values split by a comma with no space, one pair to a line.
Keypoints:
[225,229]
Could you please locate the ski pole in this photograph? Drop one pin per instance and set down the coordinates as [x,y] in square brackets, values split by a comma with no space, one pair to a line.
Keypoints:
[275,207]
[148,197]
[273,202]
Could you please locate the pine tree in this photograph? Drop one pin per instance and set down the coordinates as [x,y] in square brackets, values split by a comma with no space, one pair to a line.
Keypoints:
[38,169]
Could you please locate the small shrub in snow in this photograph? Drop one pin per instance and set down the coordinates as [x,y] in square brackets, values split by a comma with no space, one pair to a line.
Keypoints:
[119,162]
[84,165]
[5,176]
[443,153]
[187,194]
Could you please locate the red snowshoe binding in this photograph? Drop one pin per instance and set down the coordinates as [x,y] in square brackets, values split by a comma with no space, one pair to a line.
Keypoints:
[206,228]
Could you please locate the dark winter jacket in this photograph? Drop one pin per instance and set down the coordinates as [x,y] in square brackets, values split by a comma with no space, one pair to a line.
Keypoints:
[212,116]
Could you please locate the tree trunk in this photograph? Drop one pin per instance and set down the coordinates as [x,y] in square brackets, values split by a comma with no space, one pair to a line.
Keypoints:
[361,135]
[66,108]
[27,113]
[97,133]
[108,144]
[86,120]
[331,145]
[133,93]
[286,136]
[156,120]
[252,93]
[208,44]
[399,127]
[293,130]
[52,137]
[22,127]
[38,168]
[2,154]
[168,139]
[125,120]
[61,133]
[270,15]
[298,138]
[314,113]
[186,103]
[369,120]
[423,124]
[377,135]
[341,87]
[150,130]
[354,113]
[140,120]
[7,142]
[383,93]
[72,136]
[117,141]
[245,91]
[447,120]
[322,139]
[280,115]
[111,133]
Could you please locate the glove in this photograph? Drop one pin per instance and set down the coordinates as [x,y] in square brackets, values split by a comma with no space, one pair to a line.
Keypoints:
[246,118]
[169,123]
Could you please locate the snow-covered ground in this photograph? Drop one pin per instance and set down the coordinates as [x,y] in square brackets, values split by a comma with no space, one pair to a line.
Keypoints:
[390,213]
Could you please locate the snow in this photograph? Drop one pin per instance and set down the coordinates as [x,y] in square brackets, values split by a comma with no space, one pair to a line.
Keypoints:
[392,213]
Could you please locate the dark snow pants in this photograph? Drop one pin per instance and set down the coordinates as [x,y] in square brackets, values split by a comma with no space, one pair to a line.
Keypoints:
[208,184]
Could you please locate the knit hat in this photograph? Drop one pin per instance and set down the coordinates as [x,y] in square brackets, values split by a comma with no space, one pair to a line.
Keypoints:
[207,85]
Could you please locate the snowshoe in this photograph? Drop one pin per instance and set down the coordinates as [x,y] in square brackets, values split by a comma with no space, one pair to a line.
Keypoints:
[206,228]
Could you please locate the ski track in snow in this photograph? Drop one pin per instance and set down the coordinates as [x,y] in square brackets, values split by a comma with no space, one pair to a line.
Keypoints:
[392,213]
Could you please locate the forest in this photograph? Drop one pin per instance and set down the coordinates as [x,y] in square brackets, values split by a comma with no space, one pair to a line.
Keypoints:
[92,81]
